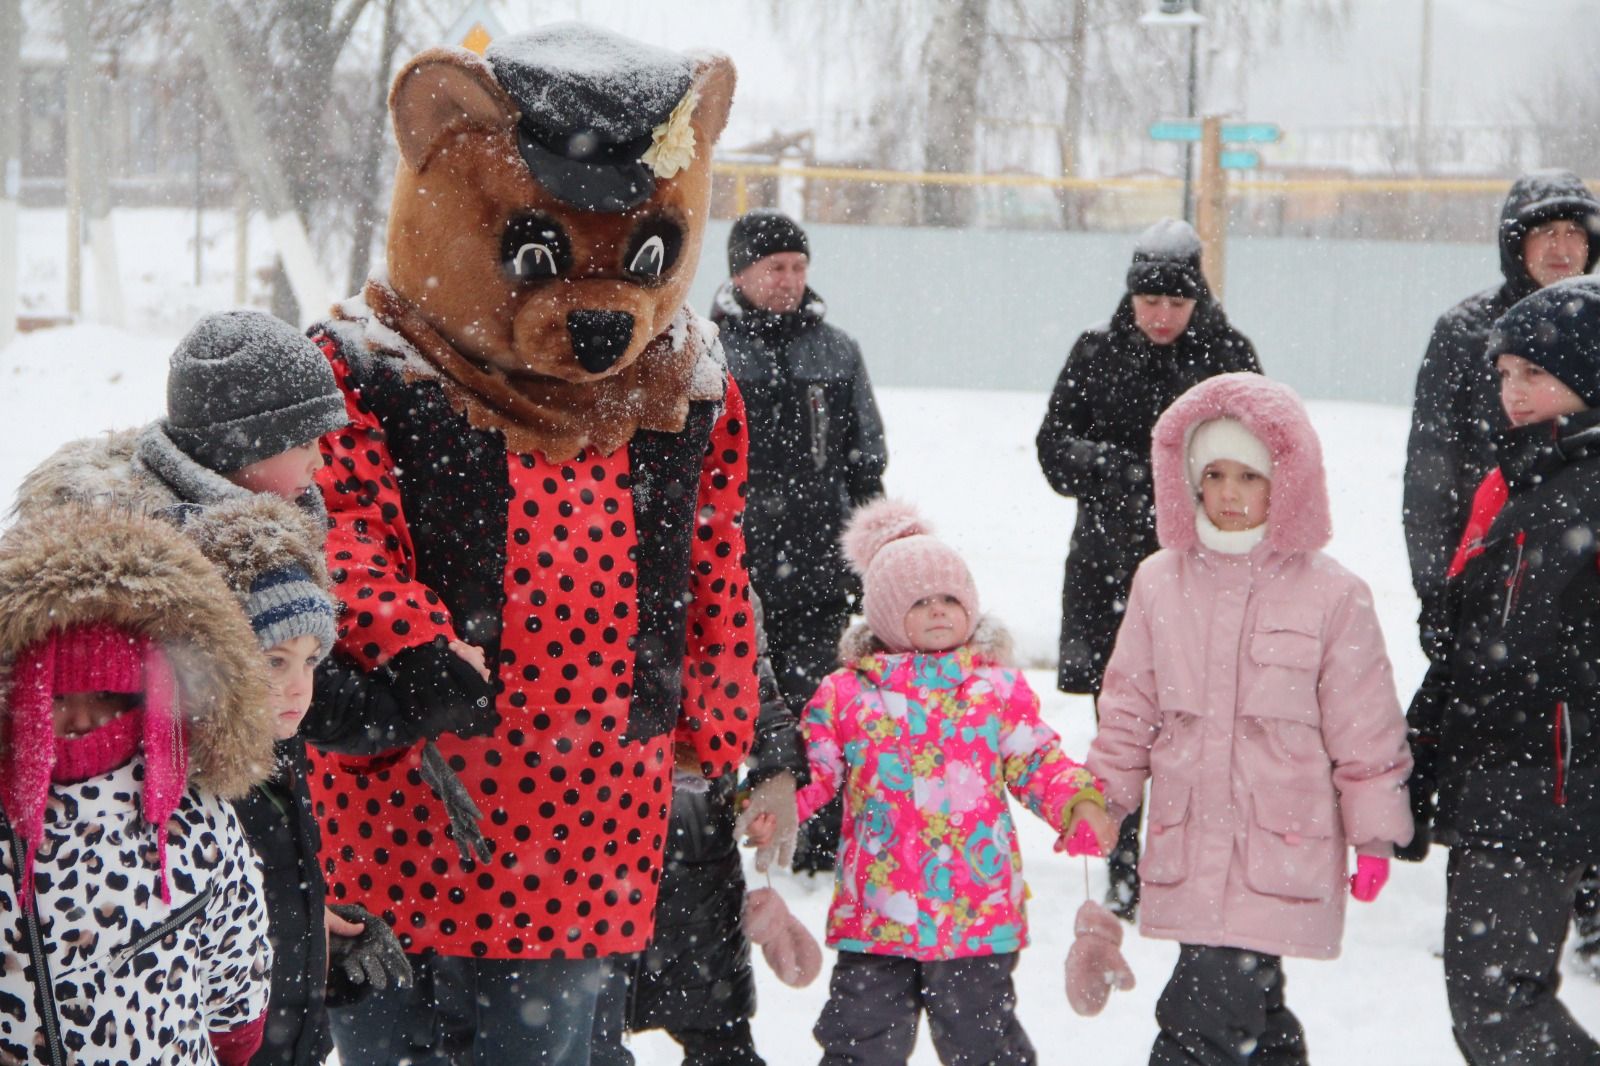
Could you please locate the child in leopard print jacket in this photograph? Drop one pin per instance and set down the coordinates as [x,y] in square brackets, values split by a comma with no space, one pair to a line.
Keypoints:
[132,702]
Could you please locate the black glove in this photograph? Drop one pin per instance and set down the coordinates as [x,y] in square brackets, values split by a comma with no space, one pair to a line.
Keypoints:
[371,960]
[1422,806]
[465,815]
[437,691]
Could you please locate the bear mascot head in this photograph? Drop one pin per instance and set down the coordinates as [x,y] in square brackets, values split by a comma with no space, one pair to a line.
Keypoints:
[545,227]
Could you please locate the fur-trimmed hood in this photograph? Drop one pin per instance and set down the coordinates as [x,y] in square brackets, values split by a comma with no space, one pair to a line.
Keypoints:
[249,537]
[991,641]
[1298,519]
[78,564]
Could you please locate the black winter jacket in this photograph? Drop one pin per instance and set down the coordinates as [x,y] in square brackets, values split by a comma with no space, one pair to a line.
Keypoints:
[1095,445]
[696,972]
[278,823]
[816,444]
[1505,727]
[1457,406]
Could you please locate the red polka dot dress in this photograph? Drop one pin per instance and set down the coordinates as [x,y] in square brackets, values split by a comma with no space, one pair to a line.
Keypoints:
[576,812]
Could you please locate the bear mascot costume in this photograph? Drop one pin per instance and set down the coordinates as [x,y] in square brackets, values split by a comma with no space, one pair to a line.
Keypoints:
[536,507]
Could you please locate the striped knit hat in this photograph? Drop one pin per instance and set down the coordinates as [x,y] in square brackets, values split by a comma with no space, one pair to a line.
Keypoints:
[286,603]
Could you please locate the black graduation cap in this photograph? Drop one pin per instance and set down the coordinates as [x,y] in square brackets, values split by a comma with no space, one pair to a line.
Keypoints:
[590,100]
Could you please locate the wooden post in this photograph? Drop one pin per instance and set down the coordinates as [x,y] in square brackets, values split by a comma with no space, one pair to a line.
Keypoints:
[10,161]
[77,138]
[241,240]
[1212,202]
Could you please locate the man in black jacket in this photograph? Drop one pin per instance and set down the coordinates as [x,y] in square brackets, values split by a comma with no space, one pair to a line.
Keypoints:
[816,452]
[1549,230]
[1546,234]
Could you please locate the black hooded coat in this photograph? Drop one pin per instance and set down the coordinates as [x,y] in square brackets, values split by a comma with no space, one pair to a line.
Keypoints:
[1095,445]
[1457,412]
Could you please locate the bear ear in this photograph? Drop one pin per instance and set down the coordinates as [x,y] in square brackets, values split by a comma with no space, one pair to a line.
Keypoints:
[714,79]
[440,92]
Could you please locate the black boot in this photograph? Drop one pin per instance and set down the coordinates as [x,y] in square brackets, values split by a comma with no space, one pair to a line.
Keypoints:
[1122,897]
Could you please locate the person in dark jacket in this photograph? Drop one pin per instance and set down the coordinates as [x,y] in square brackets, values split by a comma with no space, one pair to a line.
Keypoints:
[1549,230]
[1505,730]
[695,979]
[1546,228]
[269,553]
[816,452]
[1168,334]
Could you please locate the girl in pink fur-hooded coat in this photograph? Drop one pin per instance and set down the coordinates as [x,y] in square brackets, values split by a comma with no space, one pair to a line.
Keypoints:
[1250,686]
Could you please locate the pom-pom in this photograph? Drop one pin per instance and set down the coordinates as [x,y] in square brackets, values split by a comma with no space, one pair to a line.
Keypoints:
[875,524]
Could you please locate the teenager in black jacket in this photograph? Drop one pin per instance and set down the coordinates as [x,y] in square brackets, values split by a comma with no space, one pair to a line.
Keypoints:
[1167,335]
[1505,732]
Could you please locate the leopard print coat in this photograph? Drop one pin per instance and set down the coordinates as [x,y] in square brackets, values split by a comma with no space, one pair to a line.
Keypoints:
[135,980]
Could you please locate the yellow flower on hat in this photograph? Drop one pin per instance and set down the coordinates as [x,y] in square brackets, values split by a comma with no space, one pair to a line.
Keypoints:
[672,143]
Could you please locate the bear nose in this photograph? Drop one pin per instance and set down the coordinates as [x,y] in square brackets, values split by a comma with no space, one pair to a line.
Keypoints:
[599,337]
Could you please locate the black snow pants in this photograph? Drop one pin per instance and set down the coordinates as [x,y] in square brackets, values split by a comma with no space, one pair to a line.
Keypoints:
[1224,1007]
[1505,923]
[874,1000]
[803,644]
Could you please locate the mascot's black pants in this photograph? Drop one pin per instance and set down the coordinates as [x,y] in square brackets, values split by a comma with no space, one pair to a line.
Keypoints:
[803,644]
[479,1012]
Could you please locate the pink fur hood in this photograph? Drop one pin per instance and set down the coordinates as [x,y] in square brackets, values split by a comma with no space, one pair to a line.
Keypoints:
[1299,518]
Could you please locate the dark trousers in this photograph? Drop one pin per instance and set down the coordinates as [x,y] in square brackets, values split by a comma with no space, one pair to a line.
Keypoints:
[1122,865]
[1224,1007]
[726,1045]
[874,1002]
[1505,923]
[1586,912]
[478,1012]
[803,646]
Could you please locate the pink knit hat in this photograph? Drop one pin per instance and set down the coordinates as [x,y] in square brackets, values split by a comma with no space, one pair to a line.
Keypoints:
[88,658]
[887,542]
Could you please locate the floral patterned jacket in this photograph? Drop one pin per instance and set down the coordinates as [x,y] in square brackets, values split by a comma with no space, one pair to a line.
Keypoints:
[925,747]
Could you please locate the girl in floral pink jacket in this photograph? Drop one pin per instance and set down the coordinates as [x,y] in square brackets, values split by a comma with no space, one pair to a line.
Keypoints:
[925,729]
[1249,685]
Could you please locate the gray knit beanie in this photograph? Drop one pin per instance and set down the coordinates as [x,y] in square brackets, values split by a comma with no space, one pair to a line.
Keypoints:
[244,386]
[288,603]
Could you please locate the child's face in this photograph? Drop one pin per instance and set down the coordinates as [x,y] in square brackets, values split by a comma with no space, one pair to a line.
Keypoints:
[1530,393]
[1235,496]
[936,623]
[80,713]
[289,669]
[287,474]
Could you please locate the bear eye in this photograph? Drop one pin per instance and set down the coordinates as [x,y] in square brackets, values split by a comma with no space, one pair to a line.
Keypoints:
[535,248]
[653,250]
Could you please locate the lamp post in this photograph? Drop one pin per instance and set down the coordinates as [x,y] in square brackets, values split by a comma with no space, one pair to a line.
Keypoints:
[1183,14]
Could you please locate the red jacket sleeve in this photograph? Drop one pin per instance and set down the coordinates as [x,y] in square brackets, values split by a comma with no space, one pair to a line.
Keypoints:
[719,667]
[383,609]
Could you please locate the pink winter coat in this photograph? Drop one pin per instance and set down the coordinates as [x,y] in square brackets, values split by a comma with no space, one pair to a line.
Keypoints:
[926,748]
[1254,692]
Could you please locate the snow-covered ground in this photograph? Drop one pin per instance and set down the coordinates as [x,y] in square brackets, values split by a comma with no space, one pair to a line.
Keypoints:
[967,458]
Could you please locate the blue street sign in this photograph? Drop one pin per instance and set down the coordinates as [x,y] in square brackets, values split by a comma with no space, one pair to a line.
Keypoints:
[1232,132]
[1240,159]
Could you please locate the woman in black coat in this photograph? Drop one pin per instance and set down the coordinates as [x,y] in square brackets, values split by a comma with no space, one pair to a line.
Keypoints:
[1167,335]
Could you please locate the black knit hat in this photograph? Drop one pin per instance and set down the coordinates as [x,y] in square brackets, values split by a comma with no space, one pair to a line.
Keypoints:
[590,101]
[1557,328]
[763,232]
[1166,262]
[244,386]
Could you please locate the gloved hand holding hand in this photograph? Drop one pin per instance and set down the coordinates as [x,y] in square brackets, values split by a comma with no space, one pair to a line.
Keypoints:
[1372,873]
[465,815]
[373,958]
[773,797]
[1090,831]
[444,687]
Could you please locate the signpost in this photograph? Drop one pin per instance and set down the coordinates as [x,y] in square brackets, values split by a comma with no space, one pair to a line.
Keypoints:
[1211,197]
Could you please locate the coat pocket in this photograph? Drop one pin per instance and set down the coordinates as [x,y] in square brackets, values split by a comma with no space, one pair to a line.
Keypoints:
[1166,850]
[1292,849]
[1287,635]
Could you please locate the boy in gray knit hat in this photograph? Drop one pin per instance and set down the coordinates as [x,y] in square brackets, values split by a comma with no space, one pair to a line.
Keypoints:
[248,396]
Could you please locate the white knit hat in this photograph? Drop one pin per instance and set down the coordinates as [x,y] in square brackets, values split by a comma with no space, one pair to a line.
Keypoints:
[1226,438]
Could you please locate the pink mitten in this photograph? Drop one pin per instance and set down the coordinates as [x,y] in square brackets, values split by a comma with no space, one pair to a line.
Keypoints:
[1083,842]
[793,953]
[1095,964]
[1372,873]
